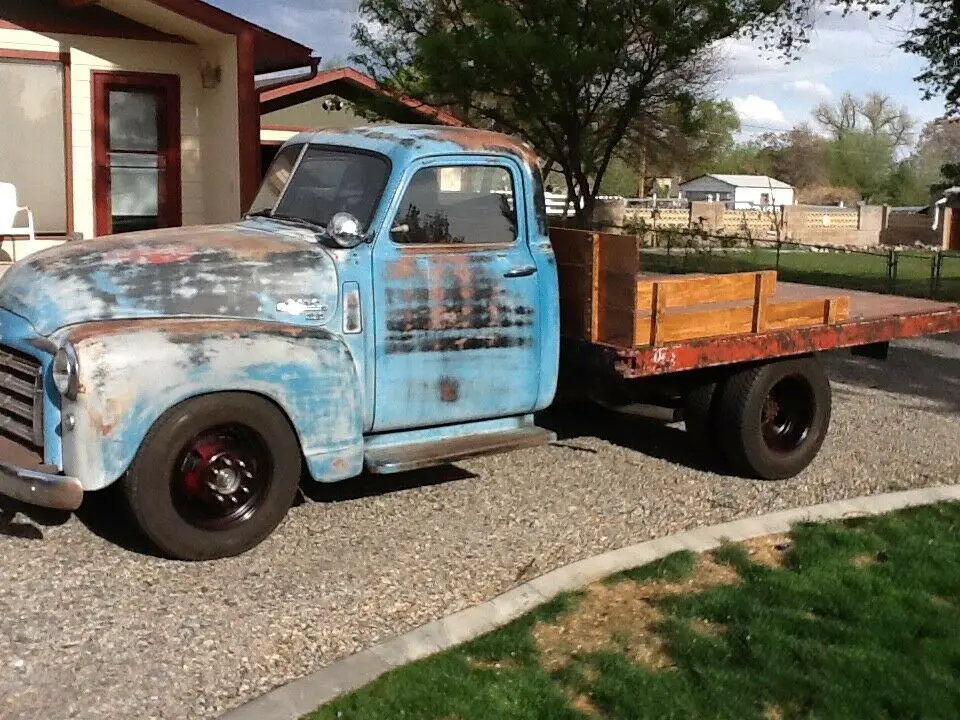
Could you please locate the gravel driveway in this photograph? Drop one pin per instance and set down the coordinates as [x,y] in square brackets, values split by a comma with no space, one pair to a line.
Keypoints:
[93,626]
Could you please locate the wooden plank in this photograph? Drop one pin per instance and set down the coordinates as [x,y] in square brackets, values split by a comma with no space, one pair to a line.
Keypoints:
[760,302]
[596,324]
[619,254]
[618,326]
[838,310]
[575,297]
[660,293]
[678,327]
[573,247]
[681,326]
[805,313]
[618,290]
[644,295]
[706,289]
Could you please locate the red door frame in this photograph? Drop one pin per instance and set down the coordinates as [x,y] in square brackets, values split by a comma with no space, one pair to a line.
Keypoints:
[171,191]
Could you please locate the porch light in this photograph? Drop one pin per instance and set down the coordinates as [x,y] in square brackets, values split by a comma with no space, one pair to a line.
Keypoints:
[210,75]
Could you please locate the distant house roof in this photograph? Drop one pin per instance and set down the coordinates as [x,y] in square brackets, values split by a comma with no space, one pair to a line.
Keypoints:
[351,85]
[750,181]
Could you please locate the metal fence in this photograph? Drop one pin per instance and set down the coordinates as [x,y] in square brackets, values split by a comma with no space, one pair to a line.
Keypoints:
[929,274]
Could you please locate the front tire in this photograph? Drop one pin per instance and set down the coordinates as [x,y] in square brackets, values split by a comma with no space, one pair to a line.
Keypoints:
[773,418]
[214,477]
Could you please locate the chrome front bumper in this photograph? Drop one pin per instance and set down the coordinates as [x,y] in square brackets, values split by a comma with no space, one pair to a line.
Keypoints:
[36,487]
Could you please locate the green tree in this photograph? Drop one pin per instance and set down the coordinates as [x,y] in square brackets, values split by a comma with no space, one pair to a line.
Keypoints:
[621,179]
[876,114]
[862,160]
[747,158]
[798,156]
[689,143]
[905,187]
[573,78]
[939,145]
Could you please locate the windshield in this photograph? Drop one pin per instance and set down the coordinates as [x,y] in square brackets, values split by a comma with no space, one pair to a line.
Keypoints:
[321,183]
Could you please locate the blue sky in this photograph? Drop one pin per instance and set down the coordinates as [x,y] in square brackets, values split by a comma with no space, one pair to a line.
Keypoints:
[851,53]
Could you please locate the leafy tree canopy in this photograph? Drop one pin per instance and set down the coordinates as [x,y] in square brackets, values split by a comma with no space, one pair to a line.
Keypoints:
[572,77]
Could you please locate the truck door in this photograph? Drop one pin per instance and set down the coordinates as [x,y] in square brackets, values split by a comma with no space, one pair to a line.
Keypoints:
[455,291]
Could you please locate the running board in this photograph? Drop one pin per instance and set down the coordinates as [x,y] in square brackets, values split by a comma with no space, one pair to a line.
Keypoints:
[401,458]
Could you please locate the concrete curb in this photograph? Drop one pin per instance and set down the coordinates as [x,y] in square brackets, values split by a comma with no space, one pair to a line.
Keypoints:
[302,696]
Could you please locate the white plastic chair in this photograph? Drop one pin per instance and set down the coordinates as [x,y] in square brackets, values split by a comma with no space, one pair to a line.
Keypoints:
[9,209]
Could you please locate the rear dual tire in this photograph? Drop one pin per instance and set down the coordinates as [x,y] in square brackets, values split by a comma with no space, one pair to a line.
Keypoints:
[768,421]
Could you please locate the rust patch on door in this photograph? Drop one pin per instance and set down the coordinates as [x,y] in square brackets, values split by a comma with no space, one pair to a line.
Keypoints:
[449,389]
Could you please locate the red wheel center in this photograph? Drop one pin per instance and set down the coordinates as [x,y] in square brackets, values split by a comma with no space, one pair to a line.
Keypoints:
[203,453]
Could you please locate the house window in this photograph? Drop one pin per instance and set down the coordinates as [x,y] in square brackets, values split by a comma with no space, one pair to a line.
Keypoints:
[764,199]
[32,143]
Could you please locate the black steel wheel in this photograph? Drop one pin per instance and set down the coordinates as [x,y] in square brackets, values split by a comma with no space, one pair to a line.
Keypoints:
[788,414]
[773,418]
[214,476]
[222,477]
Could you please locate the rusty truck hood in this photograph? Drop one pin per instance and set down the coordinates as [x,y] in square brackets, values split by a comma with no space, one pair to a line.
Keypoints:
[255,269]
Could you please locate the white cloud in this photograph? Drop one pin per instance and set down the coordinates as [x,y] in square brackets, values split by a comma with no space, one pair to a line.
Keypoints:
[759,112]
[809,88]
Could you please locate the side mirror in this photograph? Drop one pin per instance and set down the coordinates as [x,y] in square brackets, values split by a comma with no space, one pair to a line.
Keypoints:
[344,230]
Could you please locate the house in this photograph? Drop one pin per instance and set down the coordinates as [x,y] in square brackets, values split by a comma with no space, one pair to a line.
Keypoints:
[336,98]
[122,115]
[946,213]
[739,191]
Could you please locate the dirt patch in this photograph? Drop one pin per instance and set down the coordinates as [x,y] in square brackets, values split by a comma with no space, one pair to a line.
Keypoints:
[477,664]
[705,627]
[773,713]
[622,617]
[769,550]
[866,560]
[941,601]
[585,705]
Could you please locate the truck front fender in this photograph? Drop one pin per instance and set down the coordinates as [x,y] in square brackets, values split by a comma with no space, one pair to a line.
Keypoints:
[132,371]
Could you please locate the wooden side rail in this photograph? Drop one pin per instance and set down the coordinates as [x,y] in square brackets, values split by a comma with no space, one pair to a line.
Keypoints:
[603,300]
[692,297]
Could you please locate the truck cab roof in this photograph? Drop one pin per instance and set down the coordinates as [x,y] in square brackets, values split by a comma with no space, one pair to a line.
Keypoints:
[404,144]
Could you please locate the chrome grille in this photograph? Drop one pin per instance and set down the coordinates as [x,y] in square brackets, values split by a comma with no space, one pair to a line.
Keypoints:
[21,397]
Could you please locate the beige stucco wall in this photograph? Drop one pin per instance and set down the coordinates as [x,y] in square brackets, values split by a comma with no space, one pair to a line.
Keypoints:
[268,135]
[220,136]
[209,117]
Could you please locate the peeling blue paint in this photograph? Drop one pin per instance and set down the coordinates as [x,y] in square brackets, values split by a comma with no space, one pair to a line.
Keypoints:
[218,271]
[132,373]
[448,335]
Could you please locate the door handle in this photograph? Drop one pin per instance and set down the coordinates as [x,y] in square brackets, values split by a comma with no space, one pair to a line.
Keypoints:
[518,272]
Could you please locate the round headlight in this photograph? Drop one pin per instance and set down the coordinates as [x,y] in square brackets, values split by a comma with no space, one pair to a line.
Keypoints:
[66,371]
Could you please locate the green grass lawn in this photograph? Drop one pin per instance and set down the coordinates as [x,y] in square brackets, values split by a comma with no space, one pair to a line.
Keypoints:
[855,270]
[854,619]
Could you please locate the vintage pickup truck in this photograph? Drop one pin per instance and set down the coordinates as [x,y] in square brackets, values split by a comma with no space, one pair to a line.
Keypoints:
[392,300]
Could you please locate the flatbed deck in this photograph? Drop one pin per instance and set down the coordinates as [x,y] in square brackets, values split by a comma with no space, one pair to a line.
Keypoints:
[873,319]
[618,318]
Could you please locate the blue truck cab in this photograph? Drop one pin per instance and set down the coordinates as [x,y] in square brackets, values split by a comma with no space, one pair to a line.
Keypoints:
[389,302]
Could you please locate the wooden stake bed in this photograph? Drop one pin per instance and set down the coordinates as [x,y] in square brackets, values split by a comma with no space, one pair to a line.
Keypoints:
[615,319]
[606,299]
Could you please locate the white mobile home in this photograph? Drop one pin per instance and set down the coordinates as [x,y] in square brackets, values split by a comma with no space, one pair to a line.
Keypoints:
[739,192]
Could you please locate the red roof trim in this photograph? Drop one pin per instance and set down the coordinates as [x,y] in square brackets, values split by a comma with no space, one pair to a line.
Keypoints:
[278,98]
[273,52]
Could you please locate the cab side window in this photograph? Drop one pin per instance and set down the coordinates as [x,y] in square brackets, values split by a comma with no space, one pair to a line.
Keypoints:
[458,205]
